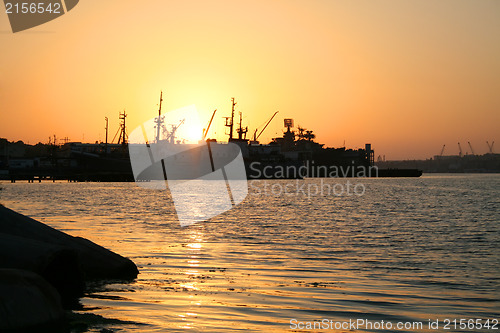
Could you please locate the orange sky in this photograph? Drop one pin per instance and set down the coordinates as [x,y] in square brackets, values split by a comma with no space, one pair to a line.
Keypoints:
[407,76]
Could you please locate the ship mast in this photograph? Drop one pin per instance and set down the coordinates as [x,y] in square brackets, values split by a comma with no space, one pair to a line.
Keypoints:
[230,124]
[123,134]
[122,138]
[242,131]
[159,120]
[106,145]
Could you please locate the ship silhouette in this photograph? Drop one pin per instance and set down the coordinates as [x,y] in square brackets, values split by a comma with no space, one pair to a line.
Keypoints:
[295,154]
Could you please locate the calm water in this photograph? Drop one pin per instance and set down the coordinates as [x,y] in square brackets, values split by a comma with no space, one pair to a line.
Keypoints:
[408,250]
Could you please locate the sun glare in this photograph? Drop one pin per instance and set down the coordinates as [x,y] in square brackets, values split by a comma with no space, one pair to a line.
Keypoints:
[192,134]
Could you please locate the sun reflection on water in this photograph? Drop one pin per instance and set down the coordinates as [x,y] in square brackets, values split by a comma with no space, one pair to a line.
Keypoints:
[192,253]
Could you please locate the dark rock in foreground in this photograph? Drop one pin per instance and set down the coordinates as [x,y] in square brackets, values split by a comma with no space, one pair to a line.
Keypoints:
[43,270]
[56,264]
[28,303]
[95,261]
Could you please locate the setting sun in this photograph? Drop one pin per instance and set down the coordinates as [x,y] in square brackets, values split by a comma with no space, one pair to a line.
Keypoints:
[192,134]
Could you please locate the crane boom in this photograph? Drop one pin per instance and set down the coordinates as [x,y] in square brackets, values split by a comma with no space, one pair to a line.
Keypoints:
[472,150]
[205,132]
[159,120]
[442,150]
[490,147]
[459,150]
[255,137]
[171,135]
